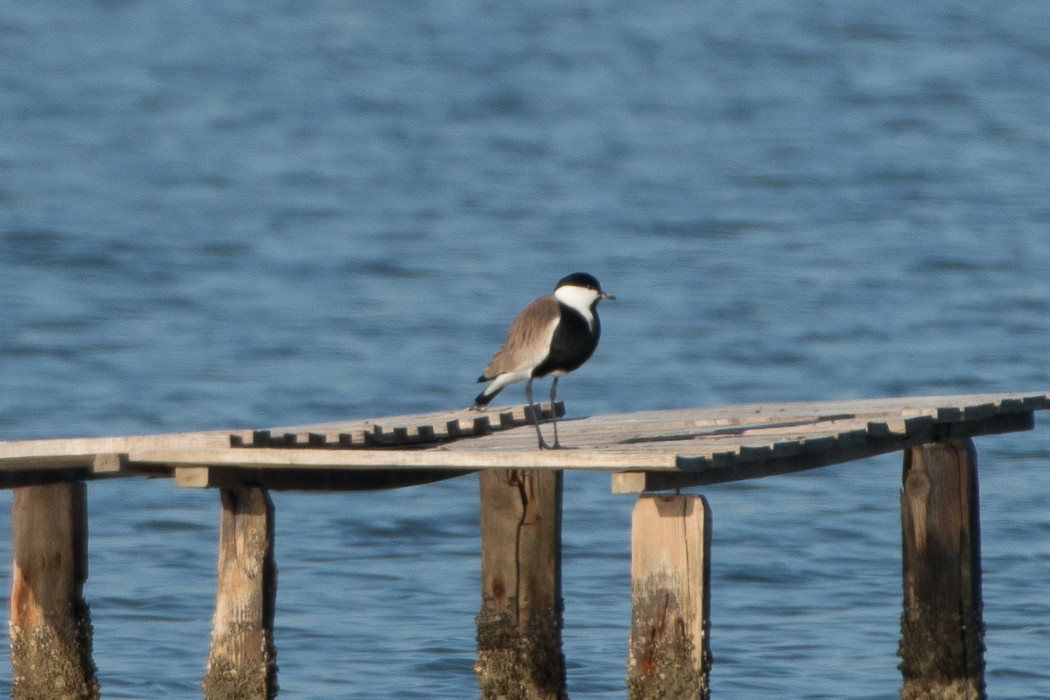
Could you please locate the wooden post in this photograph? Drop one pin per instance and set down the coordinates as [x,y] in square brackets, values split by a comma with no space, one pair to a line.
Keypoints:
[942,632]
[669,655]
[242,664]
[50,622]
[519,626]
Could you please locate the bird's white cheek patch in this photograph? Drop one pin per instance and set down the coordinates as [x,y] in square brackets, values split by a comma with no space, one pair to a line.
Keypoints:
[579,299]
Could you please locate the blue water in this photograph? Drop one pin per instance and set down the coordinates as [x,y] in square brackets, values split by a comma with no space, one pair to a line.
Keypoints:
[245,214]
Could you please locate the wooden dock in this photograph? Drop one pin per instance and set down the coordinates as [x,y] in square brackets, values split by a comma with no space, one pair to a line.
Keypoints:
[519,623]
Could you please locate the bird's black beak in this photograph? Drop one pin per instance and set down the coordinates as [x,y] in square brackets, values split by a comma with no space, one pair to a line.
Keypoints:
[606,295]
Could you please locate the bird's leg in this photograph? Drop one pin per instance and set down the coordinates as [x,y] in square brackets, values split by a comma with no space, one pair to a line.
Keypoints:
[535,414]
[554,412]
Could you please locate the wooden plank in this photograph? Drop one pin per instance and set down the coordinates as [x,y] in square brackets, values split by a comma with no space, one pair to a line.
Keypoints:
[81,449]
[941,648]
[637,482]
[708,444]
[50,621]
[397,431]
[109,463]
[517,451]
[193,477]
[433,418]
[91,446]
[745,414]
[242,661]
[321,479]
[45,473]
[729,468]
[669,654]
[818,450]
[47,461]
[526,458]
[519,625]
[834,442]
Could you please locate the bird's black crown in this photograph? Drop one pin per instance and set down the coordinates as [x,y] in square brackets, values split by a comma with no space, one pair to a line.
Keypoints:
[579,279]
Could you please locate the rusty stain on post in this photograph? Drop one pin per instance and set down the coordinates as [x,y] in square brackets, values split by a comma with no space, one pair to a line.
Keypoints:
[50,621]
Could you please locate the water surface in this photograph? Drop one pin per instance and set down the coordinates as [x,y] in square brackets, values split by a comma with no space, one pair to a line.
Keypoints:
[255,214]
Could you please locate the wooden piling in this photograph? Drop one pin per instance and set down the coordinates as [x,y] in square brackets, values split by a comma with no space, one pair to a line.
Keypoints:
[50,622]
[519,626]
[242,663]
[669,654]
[941,648]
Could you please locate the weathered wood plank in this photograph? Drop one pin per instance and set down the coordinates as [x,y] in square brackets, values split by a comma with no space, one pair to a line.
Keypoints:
[41,474]
[525,458]
[88,447]
[506,450]
[50,621]
[109,463]
[695,446]
[396,431]
[669,654]
[519,625]
[193,477]
[242,662]
[731,468]
[960,406]
[942,631]
[702,458]
[277,478]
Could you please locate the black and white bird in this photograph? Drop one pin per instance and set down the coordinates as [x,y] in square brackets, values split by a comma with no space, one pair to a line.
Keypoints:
[551,337]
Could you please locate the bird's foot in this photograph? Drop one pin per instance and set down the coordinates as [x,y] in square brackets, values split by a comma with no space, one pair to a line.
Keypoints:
[556,446]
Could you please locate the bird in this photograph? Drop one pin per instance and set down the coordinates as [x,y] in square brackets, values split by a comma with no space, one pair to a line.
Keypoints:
[551,337]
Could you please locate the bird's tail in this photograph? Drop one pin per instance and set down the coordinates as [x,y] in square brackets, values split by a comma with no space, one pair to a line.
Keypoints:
[496,385]
[482,399]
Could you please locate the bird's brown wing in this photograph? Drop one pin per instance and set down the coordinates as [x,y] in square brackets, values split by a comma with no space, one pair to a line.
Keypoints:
[528,340]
